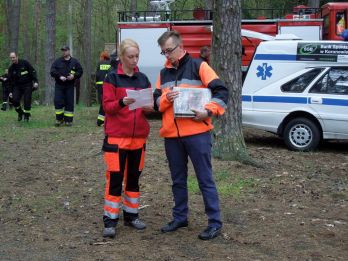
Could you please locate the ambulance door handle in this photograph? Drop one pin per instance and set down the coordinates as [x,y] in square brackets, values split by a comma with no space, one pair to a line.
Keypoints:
[316,100]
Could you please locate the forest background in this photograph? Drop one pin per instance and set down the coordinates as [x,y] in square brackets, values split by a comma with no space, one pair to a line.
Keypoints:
[36,29]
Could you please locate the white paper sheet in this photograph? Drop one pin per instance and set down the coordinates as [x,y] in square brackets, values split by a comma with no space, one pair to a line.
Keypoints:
[142,98]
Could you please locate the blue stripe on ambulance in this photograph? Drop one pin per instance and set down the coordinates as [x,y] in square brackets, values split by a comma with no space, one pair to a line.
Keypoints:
[280,57]
[299,100]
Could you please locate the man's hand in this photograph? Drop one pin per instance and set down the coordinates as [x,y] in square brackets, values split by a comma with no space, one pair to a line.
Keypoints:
[171,95]
[70,77]
[62,78]
[35,86]
[200,115]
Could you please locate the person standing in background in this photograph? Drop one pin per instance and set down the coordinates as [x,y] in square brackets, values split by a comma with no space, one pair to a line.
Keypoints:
[65,70]
[102,69]
[6,99]
[205,54]
[23,81]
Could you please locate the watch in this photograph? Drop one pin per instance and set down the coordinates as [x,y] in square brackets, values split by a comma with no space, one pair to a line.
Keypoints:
[210,113]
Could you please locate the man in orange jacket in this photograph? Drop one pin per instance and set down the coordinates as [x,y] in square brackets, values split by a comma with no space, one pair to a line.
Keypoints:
[189,137]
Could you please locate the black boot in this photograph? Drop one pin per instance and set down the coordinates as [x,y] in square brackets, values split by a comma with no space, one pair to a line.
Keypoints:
[26,116]
[20,113]
[4,106]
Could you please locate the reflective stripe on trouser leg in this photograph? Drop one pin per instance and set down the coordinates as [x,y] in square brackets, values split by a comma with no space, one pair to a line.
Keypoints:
[69,104]
[134,167]
[113,189]
[27,111]
[112,207]
[59,114]
[59,94]
[101,117]
[68,116]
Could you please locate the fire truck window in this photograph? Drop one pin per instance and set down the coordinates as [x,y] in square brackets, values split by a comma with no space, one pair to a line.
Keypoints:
[333,82]
[340,22]
[300,83]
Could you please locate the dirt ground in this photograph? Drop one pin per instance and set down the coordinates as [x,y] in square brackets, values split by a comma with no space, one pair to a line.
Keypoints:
[51,199]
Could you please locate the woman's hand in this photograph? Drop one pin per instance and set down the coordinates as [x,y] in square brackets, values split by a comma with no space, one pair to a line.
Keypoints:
[127,100]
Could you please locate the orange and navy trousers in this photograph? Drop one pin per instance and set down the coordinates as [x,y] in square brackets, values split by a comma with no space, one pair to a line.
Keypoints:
[124,158]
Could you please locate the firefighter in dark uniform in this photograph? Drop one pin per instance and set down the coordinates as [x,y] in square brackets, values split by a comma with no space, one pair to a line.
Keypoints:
[65,70]
[6,100]
[102,69]
[23,81]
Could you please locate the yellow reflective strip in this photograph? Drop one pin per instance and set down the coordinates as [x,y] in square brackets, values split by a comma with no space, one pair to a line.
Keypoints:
[72,72]
[27,111]
[100,117]
[24,72]
[100,82]
[104,67]
[69,114]
[59,112]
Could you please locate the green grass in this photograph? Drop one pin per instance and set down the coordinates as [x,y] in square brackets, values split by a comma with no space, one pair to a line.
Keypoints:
[43,119]
[228,184]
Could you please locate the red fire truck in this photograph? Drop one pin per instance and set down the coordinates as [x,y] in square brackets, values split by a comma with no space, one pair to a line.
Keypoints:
[326,23]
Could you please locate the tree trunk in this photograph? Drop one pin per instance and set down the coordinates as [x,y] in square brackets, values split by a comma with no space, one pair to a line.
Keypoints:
[133,7]
[50,50]
[36,36]
[13,7]
[25,30]
[227,56]
[70,28]
[86,53]
[314,3]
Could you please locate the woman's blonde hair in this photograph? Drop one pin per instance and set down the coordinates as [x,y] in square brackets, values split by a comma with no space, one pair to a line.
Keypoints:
[126,43]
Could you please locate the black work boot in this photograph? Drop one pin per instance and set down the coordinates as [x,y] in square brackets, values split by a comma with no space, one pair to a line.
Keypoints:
[26,116]
[20,113]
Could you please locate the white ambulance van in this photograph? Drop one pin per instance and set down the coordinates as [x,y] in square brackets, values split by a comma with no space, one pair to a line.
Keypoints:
[298,90]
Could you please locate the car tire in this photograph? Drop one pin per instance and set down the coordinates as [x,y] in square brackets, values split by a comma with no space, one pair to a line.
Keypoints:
[301,134]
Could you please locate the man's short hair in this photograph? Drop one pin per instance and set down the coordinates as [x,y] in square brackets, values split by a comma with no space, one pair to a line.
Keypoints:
[169,34]
[204,49]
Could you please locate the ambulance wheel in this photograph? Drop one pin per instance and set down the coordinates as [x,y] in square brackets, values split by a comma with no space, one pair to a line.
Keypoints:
[302,134]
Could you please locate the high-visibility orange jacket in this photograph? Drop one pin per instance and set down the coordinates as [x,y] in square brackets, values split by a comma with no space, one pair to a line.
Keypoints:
[190,73]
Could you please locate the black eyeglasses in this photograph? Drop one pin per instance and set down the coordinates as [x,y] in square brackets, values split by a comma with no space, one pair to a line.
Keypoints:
[169,51]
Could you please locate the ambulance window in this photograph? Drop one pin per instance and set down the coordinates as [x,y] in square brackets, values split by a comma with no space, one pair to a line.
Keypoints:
[300,83]
[333,82]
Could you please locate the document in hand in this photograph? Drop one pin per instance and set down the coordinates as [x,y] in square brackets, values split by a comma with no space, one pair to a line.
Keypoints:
[142,98]
[190,99]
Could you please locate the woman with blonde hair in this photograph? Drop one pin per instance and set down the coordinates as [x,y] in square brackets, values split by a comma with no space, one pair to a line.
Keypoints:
[125,138]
